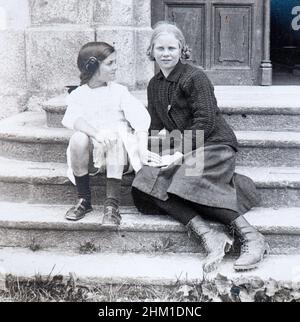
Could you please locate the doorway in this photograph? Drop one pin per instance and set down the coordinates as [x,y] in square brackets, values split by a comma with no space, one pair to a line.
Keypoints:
[226,36]
[285,42]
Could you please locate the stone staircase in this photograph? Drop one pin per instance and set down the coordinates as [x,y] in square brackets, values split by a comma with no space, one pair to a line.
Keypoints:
[35,193]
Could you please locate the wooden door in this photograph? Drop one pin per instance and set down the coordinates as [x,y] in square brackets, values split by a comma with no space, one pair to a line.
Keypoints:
[226,36]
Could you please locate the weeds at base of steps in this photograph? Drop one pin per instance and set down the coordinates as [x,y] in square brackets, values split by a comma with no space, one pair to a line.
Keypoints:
[221,289]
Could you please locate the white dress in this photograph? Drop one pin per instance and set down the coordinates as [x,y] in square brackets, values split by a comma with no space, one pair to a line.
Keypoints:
[110,108]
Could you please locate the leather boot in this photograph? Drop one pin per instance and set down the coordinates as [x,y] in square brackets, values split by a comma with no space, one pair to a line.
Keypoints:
[215,243]
[253,245]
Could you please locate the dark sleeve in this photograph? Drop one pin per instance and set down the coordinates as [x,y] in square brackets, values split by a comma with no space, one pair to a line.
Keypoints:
[201,99]
[199,93]
[156,123]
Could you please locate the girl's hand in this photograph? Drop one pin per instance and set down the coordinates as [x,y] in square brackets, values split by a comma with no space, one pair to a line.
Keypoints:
[171,159]
[106,137]
[150,158]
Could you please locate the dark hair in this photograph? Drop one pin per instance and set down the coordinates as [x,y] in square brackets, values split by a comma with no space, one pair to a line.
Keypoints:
[89,58]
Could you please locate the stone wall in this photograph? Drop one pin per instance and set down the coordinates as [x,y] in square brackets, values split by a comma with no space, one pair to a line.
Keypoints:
[40,40]
[14,19]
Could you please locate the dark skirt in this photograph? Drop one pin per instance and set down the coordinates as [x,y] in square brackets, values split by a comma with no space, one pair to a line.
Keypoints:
[205,176]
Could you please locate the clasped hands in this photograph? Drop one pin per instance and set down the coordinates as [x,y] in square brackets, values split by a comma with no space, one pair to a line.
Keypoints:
[106,137]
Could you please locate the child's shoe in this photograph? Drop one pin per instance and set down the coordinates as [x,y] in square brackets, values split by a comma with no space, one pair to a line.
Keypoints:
[78,211]
[111,215]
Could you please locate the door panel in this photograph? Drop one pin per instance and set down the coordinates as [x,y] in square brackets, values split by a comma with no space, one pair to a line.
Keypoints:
[231,37]
[191,19]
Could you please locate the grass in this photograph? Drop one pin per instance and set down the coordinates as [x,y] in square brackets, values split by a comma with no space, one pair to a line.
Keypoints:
[60,289]
[56,289]
[163,245]
[34,245]
[88,247]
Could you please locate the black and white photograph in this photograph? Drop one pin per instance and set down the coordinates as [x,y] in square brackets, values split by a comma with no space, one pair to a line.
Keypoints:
[150,153]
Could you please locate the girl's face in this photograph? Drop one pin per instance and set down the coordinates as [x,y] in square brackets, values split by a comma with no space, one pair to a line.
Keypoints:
[107,69]
[166,51]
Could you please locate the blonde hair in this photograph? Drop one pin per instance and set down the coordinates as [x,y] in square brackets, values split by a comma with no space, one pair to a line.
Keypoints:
[168,27]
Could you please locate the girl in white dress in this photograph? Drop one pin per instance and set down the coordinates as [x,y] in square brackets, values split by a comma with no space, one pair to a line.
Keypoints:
[109,124]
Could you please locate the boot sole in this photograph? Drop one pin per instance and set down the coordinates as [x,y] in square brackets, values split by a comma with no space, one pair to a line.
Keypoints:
[106,222]
[208,268]
[252,266]
[212,266]
[78,218]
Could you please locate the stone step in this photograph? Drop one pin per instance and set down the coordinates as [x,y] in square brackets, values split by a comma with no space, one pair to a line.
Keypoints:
[266,148]
[272,108]
[46,182]
[262,119]
[26,137]
[245,108]
[43,227]
[143,269]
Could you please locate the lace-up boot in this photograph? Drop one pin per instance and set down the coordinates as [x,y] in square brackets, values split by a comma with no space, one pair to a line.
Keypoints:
[216,243]
[253,245]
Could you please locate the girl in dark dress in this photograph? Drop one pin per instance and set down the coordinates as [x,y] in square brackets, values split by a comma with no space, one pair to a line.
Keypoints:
[202,185]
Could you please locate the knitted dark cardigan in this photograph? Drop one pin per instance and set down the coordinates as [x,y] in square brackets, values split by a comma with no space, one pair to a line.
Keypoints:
[185,100]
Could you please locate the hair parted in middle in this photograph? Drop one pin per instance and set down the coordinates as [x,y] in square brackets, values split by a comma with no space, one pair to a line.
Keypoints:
[163,27]
[90,57]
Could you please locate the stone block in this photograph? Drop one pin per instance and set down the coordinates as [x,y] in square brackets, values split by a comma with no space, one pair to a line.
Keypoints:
[105,240]
[142,13]
[145,67]
[36,100]
[123,39]
[12,104]
[268,156]
[52,56]
[12,57]
[54,193]
[263,122]
[33,151]
[114,12]
[14,14]
[61,11]
[13,97]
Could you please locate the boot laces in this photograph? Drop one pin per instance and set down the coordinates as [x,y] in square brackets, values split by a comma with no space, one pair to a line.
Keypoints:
[193,232]
[244,245]
[204,243]
[232,231]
